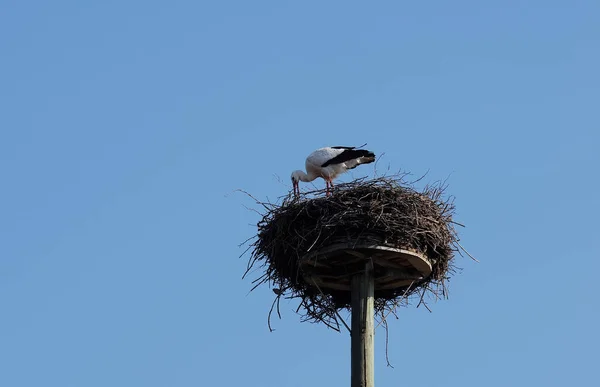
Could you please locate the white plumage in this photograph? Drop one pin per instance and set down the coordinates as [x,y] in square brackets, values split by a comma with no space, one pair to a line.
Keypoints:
[329,162]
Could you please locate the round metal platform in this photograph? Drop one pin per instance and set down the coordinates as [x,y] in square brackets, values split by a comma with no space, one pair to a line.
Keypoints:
[332,267]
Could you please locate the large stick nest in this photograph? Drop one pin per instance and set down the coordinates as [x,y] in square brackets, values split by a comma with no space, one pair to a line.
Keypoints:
[385,210]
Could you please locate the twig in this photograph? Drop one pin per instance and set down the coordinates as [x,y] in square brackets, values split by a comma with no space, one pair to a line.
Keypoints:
[387,333]
[463,249]
[335,310]
[395,304]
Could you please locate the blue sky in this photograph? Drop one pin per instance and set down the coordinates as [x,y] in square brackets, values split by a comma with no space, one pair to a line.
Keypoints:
[126,125]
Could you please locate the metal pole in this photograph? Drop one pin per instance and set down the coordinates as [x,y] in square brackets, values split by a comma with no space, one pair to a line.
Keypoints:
[362,364]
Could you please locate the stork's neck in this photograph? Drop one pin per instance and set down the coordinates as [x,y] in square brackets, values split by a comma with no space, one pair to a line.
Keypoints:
[306,177]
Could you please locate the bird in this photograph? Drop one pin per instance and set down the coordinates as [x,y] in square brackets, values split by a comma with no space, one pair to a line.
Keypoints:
[330,162]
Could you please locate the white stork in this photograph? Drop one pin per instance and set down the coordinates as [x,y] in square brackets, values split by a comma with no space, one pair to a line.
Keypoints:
[329,162]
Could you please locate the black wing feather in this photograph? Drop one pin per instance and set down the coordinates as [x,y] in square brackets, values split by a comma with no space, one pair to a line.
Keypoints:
[348,154]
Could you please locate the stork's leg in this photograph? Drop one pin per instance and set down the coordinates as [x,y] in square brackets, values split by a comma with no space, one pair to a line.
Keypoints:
[327,190]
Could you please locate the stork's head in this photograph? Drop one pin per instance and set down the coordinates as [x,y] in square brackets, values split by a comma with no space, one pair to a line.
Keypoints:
[295,179]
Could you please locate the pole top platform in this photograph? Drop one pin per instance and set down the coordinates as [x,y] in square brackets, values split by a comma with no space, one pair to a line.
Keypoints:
[334,265]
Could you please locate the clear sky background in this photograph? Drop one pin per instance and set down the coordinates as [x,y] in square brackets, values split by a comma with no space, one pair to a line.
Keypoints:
[126,125]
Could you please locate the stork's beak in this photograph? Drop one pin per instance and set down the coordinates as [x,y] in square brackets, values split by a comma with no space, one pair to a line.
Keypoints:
[296,189]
